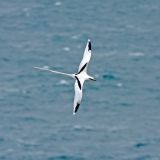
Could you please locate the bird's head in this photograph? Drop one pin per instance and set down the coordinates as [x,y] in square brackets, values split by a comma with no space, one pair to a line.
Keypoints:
[91,78]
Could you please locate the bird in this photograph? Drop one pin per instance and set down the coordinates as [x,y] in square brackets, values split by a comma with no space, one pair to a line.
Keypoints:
[80,77]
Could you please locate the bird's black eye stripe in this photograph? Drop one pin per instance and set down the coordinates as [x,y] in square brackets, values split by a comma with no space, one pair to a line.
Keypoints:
[79,83]
[77,106]
[89,46]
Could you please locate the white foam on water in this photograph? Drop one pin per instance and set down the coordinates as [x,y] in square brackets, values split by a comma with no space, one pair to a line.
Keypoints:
[27,12]
[9,90]
[63,82]
[75,36]
[58,3]
[136,54]
[79,127]
[119,84]
[66,49]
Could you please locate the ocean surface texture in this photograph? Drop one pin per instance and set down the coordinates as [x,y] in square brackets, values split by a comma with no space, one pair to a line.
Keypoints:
[119,117]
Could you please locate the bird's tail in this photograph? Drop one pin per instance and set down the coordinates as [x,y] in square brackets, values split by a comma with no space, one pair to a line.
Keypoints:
[46,69]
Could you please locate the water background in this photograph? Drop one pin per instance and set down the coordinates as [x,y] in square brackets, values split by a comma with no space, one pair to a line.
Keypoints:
[119,118]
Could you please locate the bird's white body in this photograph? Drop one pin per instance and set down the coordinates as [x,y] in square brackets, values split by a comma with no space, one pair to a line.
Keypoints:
[80,77]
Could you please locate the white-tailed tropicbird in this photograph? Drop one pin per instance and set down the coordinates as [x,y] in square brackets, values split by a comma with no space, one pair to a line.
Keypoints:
[80,76]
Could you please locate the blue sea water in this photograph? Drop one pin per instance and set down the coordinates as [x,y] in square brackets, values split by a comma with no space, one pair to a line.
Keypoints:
[119,118]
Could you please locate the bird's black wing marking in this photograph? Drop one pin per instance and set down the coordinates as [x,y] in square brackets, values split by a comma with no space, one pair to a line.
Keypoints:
[89,46]
[82,69]
[77,106]
[79,83]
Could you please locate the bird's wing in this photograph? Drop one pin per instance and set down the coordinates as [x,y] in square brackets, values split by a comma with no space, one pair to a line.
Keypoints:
[78,94]
[86,58]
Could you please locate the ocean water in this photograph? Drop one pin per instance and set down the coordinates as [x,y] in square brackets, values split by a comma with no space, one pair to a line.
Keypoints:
[119,118]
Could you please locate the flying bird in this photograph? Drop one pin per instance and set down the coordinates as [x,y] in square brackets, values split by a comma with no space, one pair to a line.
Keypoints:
[80,77]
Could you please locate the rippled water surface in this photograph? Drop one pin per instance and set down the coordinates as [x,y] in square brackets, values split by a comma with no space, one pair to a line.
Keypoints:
[119,118]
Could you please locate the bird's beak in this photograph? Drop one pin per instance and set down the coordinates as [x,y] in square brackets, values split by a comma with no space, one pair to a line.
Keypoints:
[93,79]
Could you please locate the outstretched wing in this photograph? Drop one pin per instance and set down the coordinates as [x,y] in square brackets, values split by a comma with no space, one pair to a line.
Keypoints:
[78,94]
[86,58]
